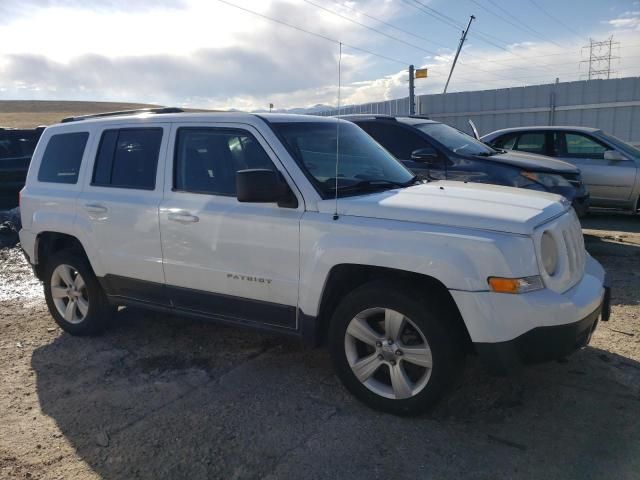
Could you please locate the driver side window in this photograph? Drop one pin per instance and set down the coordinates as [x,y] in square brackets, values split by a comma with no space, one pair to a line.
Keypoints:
[578,145]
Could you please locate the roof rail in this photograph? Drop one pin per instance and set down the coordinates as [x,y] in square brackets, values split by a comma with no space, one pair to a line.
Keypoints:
[123,112]
[426,117]
[367,115]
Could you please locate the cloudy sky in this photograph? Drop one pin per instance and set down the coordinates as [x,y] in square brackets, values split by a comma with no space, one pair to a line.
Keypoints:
[226,54]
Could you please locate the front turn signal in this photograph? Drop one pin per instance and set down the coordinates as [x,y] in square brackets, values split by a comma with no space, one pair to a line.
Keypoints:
[515,285]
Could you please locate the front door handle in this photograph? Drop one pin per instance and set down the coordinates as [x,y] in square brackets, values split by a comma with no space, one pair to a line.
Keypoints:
[95,208]
[182,217]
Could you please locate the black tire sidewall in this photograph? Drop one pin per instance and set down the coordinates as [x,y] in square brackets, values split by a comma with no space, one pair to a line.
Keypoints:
[95,320]
[429,317]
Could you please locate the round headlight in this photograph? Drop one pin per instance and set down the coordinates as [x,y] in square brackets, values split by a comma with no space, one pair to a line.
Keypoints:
[549,253]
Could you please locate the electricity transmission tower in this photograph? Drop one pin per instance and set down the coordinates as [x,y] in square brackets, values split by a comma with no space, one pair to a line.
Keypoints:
[600,56]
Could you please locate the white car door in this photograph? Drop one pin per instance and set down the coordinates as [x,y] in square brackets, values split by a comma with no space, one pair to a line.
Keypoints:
[118,209]
[236,261]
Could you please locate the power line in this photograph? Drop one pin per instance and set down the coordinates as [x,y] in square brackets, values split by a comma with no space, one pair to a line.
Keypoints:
[555,19]
[395,27]
[380,32]
[452,23]
[517,24]
[315,34]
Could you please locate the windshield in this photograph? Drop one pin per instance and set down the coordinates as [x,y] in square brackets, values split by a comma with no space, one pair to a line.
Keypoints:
[455,140]
[621,144]
[363,164]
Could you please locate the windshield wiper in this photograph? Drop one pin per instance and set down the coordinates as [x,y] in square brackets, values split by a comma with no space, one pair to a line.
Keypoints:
[375,183]
[490,154]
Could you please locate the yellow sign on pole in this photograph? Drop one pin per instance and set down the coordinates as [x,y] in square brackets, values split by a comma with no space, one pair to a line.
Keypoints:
[422,72]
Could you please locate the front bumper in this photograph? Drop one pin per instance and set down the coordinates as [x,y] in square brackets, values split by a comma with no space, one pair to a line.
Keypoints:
[541,344]
[510,330]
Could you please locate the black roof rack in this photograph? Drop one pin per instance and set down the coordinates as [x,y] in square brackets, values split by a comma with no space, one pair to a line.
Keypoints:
[364,116]
[123,112]
[426,117]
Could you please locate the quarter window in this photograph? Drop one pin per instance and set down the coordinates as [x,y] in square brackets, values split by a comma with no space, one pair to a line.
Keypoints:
[62,158]
[128,158]
[207,159]
[581,146]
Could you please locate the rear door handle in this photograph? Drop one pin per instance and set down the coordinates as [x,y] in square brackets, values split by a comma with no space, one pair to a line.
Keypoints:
[95,208]
[182,217]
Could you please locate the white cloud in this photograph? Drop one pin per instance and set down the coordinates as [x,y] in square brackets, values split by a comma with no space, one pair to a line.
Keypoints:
[201,53]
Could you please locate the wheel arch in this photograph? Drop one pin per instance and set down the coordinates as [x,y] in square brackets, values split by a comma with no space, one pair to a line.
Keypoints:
[344,278]
[48,243]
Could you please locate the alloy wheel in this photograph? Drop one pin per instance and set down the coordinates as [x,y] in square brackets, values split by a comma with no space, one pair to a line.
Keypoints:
[388,353]
[69,293]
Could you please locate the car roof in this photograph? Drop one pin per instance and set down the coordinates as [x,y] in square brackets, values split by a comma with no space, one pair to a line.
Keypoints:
[409,120]
[544,128]
[162,117]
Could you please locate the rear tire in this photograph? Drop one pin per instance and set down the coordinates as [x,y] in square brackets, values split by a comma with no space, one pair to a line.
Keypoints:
[393,349]
[74,296]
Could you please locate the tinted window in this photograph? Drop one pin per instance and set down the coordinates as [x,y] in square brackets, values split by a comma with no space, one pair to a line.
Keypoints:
[207,159]
[17,144]
[398,140]
[532,142]
[315,147]
[582,146]
[128,158]
[62,158]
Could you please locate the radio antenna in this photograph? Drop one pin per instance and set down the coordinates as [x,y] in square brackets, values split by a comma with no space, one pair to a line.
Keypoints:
[335,212]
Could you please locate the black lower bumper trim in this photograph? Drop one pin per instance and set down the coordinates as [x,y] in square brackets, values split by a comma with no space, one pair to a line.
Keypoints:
[538,345]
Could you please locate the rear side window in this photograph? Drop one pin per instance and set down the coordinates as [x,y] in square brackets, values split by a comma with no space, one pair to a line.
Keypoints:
[533,142]
[207,159]
[62,158]
[128,158]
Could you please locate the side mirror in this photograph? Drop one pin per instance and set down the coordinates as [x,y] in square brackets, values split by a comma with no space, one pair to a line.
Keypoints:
[426,155]
[614,155]
[258,185]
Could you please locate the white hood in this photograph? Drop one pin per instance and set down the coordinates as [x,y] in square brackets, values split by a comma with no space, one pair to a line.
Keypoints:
[470,205]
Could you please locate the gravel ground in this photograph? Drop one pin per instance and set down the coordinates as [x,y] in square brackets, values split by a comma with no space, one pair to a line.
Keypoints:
[160,396]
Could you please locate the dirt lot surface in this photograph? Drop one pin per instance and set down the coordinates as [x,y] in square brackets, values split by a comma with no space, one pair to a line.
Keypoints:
[32,113]
[168,397]
[29,114]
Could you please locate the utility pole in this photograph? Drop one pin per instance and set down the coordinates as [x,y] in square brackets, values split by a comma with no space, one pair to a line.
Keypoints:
[412,91]
[455,59]
[600,56]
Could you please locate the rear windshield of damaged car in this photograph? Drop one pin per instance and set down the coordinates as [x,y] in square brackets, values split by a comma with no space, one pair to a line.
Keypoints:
[315,147]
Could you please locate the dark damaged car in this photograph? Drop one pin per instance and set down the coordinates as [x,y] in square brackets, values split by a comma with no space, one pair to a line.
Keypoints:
[435,151]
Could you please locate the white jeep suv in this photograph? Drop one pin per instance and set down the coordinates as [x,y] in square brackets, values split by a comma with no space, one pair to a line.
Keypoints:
[247,220]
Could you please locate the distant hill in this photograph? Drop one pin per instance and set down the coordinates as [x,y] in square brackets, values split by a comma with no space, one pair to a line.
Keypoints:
[299,110]
[31,113]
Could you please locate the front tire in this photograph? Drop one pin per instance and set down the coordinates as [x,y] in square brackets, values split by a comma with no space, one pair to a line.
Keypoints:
[74,297]
[393,350]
